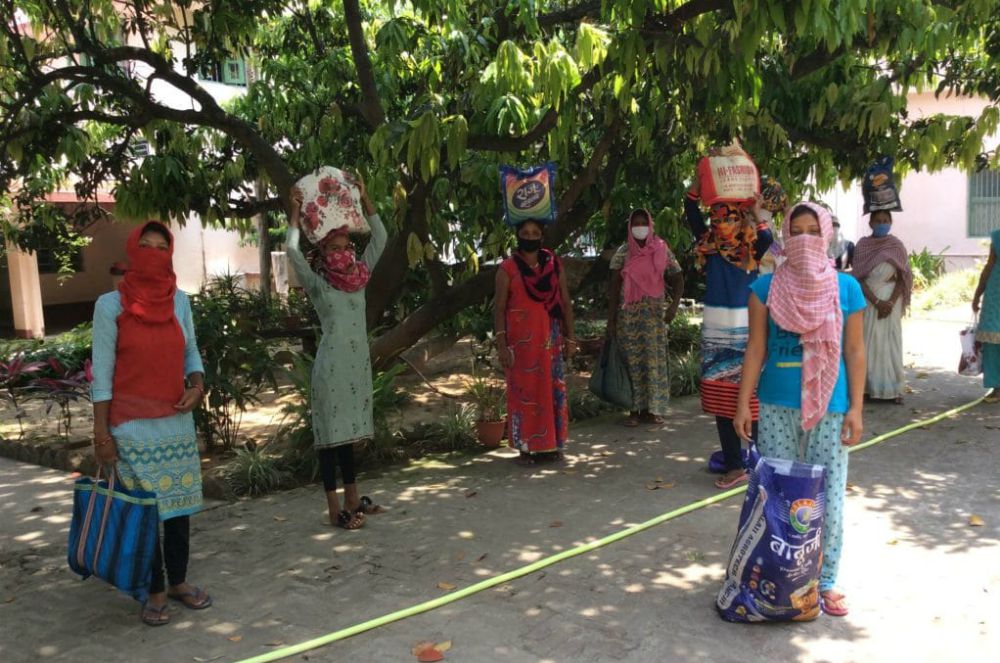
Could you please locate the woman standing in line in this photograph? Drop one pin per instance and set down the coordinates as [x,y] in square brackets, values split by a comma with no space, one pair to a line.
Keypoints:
[729,252]
[335,281]
[533,319]
[807,350]
[882,266]
[148,377]
[986,303]
[641,318]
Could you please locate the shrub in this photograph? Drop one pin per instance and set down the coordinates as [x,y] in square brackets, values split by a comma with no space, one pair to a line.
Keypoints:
[585,405]
[927,268]
[457,429]
[238,361]
[684,335]
[685,373]
[255,472]
[951,289]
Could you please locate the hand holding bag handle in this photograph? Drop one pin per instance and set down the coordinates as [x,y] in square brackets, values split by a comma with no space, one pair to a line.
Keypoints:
[89,517]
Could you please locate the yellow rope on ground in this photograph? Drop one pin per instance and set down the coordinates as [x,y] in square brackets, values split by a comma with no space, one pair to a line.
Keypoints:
[460,594]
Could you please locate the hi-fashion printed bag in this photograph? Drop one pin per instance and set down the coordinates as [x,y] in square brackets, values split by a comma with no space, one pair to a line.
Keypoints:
[113,534]
[971,361]
[878,188]
[330,202]
[728,175]
[774,566]
[610,380]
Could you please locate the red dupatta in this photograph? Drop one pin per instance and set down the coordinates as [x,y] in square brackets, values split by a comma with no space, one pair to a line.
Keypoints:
[149,358]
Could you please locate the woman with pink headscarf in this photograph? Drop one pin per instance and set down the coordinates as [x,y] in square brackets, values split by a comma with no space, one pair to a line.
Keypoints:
[806,349]
[639,314]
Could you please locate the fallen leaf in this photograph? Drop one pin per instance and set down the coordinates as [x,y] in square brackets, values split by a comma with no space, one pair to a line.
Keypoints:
[976,521]
[892,542]
[420,646]
[36,509]
[446,586]
[235,638]
[11,599]
[280,519]
[443,646]
[569,471]
[472,493]
[276,643]
[652,485]
[199,659]
[605,452]
[555,523]
[921,375]
[482,557]
[430,655]
[459,556]
[908,390]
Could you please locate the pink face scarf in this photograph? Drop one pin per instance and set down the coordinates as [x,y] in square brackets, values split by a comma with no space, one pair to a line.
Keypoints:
[344,271]
[805,299]
[644,265]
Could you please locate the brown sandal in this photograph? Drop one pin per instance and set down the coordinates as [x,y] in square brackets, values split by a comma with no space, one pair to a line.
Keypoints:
[351,521]
[153,616]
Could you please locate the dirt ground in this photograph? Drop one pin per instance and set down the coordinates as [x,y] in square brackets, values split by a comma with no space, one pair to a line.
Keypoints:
[921,581]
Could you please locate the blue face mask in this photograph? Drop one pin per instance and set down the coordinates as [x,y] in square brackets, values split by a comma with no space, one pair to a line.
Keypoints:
[881,229]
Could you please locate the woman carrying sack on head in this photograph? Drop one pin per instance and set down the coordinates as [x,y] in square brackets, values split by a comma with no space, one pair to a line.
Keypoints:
[806,348]
[640,317]
[882,266]
[729,253]
[148,377]
[335,281]
[533,319]
[986,304]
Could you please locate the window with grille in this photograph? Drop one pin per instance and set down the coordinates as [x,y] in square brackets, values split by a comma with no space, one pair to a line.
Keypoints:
[230,72]
[984,203]
[48,264]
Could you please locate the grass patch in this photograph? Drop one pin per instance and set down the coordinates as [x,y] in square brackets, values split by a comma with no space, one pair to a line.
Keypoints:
[951,289]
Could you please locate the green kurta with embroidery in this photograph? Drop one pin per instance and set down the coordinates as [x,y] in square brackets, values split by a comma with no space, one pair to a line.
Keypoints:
[342,373]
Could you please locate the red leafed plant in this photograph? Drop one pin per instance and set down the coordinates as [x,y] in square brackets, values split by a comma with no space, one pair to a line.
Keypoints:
[13,371]
[68,387]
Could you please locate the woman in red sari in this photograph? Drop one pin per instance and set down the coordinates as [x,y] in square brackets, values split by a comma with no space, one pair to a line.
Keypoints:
[533,317]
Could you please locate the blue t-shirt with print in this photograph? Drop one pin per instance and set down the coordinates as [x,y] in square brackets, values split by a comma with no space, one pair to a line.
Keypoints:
[781,379]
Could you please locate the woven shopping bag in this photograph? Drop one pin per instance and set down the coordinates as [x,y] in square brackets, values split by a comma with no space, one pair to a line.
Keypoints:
[610,380]
[113,534]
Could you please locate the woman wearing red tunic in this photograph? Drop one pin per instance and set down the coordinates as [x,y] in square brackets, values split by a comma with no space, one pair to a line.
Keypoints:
[533,317]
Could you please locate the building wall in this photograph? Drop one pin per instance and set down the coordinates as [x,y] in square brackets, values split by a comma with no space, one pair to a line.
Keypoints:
[935,205]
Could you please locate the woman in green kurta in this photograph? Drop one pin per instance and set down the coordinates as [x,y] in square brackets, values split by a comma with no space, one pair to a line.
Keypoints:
[342,374]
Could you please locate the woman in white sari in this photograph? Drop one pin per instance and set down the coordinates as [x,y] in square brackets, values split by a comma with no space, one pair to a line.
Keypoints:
[882,266]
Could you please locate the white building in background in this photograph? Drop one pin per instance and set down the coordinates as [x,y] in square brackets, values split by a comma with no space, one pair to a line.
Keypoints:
[949,212]
[34,299]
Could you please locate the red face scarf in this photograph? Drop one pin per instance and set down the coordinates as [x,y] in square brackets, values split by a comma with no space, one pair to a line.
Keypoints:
[149,361]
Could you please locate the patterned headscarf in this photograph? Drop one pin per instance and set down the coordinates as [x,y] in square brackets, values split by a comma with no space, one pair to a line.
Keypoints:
[732,235]
[805,299]
[645,264]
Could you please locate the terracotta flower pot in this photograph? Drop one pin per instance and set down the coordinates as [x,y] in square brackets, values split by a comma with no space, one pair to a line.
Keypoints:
[489,433]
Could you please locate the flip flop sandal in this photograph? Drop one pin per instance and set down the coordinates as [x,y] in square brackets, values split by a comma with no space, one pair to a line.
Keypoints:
[524,460]
[368,507]
[152,616]
[205,602]
[833,612]
[345,520]
[732,483]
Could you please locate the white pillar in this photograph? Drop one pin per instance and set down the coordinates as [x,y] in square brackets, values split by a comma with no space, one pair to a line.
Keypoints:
[25,293]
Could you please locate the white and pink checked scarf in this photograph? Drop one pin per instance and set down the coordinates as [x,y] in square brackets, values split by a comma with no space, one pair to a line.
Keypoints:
[805,299]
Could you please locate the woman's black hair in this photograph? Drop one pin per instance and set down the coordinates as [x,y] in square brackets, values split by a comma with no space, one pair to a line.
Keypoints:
[639,211]
[158,228]
[800,210]
[518,226]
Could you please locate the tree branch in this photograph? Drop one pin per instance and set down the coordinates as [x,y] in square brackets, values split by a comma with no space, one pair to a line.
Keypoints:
[587,9]
[371,105]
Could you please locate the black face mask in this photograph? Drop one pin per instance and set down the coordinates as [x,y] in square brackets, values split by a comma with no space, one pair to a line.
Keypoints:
[528,245]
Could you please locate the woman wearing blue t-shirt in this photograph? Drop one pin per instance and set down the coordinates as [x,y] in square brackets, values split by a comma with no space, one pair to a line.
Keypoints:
[806,347]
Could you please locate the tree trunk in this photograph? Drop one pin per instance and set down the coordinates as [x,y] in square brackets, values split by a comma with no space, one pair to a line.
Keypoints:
[264,247]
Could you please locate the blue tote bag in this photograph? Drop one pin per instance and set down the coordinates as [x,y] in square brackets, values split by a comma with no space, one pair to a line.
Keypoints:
[113,534]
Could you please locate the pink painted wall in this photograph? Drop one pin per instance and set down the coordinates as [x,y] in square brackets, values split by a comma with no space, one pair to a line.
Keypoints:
[935,205]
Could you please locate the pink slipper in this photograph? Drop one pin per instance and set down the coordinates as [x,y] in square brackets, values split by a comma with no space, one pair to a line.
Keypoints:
[722,484]
[830,610]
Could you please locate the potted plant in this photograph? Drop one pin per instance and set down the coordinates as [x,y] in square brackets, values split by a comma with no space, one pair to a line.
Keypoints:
[489,399]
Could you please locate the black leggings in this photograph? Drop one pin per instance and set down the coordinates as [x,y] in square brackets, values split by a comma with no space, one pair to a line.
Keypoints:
[731,442]
[329,458]
[176,546]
